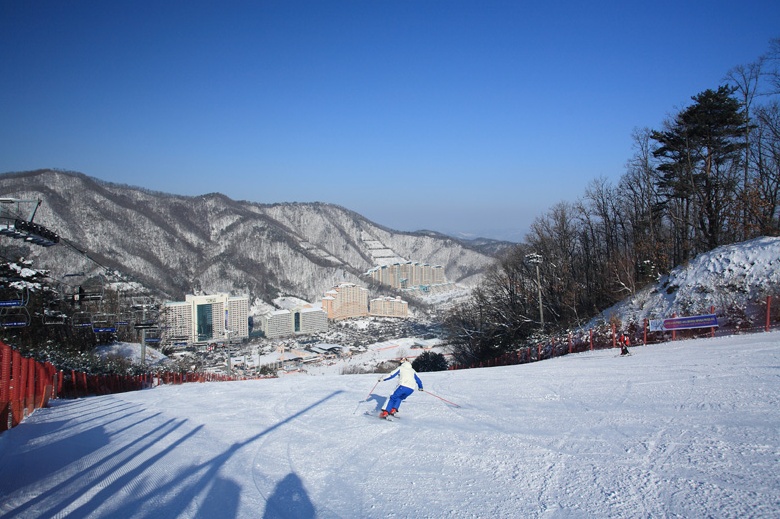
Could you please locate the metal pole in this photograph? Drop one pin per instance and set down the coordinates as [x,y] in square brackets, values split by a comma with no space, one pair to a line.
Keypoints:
[143,335]
[539,288]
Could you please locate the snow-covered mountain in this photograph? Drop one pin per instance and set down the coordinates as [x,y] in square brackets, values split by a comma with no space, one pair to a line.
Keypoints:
[734,279]
[180,244]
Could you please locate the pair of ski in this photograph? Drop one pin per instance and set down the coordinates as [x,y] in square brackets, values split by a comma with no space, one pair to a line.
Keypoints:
[389,417]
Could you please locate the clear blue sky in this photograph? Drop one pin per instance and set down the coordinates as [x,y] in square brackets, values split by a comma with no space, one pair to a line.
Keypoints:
[447,115]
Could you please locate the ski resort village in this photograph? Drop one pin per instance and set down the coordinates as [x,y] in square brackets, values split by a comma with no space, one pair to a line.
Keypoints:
[389,260]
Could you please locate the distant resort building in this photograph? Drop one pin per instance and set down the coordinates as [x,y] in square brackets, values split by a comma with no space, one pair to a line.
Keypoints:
[345,300]
[388,307]
[348,300]
[409,275]
[302,320]
[206,318]
[276,324]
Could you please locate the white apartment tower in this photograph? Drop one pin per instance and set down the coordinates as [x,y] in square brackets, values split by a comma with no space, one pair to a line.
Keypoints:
[309,320]
[202,319]
[278,323]
[302,320]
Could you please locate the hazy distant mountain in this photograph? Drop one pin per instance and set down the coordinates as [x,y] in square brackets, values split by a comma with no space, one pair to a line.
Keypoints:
[178,244]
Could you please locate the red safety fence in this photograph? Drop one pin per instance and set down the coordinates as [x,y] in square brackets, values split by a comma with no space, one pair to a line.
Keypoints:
[26,384]
[606,338]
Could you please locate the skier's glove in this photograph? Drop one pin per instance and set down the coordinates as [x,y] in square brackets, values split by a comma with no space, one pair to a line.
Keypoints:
[421,389]
[381,378]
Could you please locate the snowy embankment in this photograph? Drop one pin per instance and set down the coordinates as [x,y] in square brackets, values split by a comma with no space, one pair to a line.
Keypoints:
[733,279]
[686,429]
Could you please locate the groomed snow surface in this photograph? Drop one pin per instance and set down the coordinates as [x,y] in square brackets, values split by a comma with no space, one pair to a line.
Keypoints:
[685,429]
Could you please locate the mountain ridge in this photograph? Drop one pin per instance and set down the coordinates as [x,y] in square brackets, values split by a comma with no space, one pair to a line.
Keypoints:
[182,244]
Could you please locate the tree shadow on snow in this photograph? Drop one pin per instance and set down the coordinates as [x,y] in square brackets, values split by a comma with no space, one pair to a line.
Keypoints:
[289,500]
[136,481]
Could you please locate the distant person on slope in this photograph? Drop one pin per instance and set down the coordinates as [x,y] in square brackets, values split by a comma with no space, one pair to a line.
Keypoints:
[624,342]
[407,381]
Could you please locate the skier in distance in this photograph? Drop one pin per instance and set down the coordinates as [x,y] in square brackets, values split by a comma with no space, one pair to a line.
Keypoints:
[407,381]
[624,342]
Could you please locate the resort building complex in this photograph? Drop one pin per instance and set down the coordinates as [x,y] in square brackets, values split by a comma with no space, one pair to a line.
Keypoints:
[302,320]
[388,307]
[206,318]
[350,300]
[345,300]
[408,275]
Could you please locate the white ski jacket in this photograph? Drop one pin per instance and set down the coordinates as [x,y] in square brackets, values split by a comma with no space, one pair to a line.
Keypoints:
[407,377]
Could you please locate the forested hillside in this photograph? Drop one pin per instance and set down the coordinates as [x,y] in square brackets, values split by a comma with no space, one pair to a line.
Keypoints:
[709,177]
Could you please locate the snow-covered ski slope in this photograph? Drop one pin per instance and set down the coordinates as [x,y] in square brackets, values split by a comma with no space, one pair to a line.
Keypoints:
[686,429]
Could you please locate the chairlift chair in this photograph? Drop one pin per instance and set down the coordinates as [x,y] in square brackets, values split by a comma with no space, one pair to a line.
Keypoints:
[123,319]
[54,317]
[13,297]
[145,319]
[141,302]
[14,317]
[81,320]
[152,336]
[52,313]
[90,293]
[9,229]
[104,323]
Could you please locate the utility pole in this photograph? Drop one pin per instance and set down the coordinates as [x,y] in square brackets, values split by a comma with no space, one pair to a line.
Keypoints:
[536,259]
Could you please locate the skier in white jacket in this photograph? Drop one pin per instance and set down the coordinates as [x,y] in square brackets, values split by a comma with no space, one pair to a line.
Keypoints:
[407,381]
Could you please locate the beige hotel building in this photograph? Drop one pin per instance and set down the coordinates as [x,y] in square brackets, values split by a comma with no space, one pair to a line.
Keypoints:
[408,275]
[345,300]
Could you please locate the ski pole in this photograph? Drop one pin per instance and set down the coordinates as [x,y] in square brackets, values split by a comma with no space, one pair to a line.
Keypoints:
[372,389]
[440,398]
[366,399]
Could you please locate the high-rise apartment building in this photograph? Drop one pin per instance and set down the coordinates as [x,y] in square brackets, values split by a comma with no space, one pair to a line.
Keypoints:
[345,300]
[309,320]
[278,323]
[408,275]
[208,318]
[388,307]
[302,320]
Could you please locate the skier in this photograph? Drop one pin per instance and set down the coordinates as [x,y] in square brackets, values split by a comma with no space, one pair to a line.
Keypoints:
[407,380]
[624,345]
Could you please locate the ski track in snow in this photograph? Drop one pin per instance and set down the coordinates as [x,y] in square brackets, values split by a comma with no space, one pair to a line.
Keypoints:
[687,429]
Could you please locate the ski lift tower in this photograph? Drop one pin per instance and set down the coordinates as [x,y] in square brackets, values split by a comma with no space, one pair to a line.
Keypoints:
[229,358]
[147,319]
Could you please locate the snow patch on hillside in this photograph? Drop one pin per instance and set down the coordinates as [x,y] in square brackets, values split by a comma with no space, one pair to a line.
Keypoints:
[734,279]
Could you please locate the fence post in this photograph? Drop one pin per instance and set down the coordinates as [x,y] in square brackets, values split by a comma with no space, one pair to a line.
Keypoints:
[712,328]
[614,338]
[15,408]
[5,386]
[22,391]
[768,313]
[591,339]
[674,331]
[30,387]
[40,386]
[645,332]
